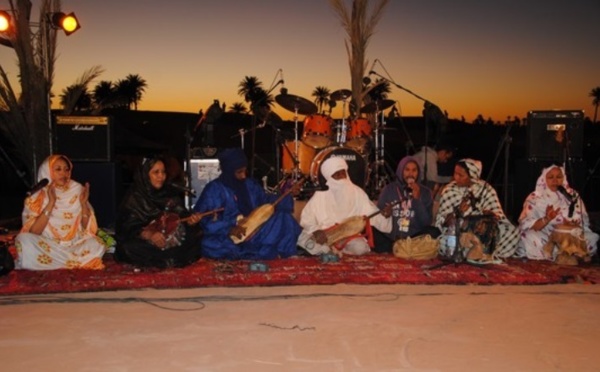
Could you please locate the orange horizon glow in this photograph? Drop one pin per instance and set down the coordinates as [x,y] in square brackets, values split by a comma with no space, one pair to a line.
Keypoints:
[468,58]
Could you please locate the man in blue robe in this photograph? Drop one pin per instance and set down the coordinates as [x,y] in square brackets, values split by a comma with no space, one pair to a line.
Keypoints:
[239,195]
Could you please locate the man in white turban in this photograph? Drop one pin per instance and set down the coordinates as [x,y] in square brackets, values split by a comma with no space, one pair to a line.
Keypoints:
[341,200]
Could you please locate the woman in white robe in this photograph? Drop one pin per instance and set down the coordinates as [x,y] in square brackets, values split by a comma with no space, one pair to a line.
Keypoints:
[547,207]
[59,225]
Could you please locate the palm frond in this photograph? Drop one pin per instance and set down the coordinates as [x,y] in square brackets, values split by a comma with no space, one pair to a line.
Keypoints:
[81,86]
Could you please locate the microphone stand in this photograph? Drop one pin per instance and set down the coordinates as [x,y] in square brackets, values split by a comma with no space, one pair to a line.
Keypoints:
[254,119]
[425,115]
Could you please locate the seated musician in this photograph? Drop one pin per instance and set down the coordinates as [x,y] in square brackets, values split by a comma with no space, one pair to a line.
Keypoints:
[141,242]
[554,206]
[471,199]
[342,200]
[59,226]
[412,216]
[239,195]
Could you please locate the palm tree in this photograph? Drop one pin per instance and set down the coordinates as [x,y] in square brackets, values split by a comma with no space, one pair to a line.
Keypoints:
[131,89]
[359,26]
[26,124]
[104,95]
[379,91]
[75,98]
[321,95]
[251,89]
[595,93]
[238,108]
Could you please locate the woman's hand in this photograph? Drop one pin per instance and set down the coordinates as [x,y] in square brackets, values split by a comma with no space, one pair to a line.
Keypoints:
[156,238]
[193,219]
[51,196]
[551,213]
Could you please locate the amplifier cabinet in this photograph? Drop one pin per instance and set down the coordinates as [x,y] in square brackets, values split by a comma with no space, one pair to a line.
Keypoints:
[554,134]
[84,138]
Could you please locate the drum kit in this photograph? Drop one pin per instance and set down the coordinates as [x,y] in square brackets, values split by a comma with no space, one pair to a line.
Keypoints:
[322,138]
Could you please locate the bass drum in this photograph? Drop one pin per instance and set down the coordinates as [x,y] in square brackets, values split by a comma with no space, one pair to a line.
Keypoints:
[357,169]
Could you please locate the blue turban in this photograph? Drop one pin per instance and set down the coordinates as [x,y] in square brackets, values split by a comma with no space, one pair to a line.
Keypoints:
[232,160]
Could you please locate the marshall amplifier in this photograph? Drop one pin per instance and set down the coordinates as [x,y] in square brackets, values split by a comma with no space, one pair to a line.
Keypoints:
[84,138]
[554,134]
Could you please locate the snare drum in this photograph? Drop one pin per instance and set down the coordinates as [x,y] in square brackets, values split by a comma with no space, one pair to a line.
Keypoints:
[317,131]
[359,135]
[305,157]
[357,169]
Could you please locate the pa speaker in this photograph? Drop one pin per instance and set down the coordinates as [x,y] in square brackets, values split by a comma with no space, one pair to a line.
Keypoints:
[203,171]
[84,138]
[106,188]
[554,135]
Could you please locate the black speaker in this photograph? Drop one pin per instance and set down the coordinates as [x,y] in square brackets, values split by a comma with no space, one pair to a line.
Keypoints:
[554,135]
[84,138]
[106,188]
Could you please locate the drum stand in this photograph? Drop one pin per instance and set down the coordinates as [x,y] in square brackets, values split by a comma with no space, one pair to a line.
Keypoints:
[382,169]
[340,136]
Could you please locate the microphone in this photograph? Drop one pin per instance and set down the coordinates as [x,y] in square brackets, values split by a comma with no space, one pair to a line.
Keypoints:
[315,188]
[38,186]
[408,188]
[185,189]
[563,191]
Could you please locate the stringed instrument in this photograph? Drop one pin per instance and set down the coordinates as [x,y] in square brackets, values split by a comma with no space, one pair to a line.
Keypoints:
[349,227]
[259,216]
[171,226]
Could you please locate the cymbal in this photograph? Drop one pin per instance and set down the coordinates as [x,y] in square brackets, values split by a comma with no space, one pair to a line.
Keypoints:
[377,106]
[340,95]
[298,104]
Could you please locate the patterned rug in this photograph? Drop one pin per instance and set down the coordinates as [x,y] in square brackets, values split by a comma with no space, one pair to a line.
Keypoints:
[369,269]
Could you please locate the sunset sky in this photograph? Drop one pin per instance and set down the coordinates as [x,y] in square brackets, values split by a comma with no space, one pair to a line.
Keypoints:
[495,58]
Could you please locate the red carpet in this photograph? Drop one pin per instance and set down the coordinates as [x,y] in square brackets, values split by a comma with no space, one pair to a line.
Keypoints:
[371,269]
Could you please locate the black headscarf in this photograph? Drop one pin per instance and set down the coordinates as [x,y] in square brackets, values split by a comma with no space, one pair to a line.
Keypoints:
[144,203]
[232,160]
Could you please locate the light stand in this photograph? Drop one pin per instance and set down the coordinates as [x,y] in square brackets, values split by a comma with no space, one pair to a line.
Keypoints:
[505,142]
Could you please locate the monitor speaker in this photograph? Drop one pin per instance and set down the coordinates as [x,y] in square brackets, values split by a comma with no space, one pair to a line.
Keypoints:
[106,188]
[84,138]
[202,171]
[554,135]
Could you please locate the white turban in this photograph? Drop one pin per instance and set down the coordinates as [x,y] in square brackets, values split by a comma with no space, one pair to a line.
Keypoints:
[332,165]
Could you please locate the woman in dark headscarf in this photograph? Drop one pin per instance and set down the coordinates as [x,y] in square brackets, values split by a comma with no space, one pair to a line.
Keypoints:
[148,200]
[470,197]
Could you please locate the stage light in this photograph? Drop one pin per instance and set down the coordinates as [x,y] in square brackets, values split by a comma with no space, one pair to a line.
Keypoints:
[66,22]
[4,21]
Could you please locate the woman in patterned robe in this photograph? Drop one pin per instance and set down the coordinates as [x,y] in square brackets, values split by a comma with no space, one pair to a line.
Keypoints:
[59,225]
[468,195]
